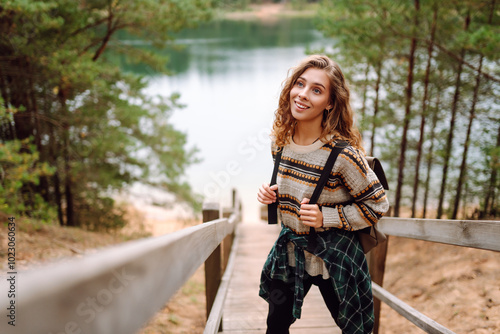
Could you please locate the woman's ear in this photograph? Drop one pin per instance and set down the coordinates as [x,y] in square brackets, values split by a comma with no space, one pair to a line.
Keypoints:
[330,105]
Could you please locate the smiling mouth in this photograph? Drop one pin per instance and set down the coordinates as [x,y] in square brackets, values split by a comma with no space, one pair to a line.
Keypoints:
[301,106]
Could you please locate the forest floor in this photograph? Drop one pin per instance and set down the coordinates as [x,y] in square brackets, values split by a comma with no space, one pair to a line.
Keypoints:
[456,286]
[38,244]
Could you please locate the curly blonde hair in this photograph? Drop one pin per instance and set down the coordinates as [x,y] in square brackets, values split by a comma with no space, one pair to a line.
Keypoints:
[338,121]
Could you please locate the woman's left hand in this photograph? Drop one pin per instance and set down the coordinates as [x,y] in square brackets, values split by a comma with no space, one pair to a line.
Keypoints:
[310,214]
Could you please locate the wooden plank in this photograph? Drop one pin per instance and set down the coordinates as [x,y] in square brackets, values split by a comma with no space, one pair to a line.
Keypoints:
[116,290]
[244,311]
[482,234]
[419,319]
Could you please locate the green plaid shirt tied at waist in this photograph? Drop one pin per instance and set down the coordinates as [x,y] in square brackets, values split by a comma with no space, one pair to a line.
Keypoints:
[346,264]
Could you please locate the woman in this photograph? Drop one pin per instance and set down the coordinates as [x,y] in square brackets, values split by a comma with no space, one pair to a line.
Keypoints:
[314,114]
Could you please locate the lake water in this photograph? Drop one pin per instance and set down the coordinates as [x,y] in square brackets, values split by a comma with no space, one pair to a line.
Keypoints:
[229,76]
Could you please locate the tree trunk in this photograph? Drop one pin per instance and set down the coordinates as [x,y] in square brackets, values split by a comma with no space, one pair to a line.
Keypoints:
[464,208]
[57,191]
[406,122]
[424,113]
[109,32]
[430,153]
[489,201]
[375,107]
[449,143]
[463,165]
[365,90]
[472,115]
[70,213]
[43,187]
[7,131]
[22,120]
[68,193]
[55,178]
[3,89]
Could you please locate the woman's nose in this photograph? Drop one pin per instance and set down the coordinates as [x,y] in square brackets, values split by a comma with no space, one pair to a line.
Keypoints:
[303,95]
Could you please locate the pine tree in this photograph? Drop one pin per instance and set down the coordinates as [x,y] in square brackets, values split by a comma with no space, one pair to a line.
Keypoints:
[407,116]
[402,57]
[89,120]
[424,112]
[472,115]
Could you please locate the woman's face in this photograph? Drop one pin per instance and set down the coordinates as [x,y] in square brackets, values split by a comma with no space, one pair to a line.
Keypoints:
[310,95]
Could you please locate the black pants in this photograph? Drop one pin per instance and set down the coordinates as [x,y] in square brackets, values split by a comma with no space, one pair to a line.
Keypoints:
[280,318]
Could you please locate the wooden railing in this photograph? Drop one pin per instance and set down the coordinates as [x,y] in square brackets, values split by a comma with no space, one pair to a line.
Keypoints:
[118,289]
[466,233]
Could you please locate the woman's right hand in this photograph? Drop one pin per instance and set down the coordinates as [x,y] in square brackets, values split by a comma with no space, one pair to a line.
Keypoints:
[267,194]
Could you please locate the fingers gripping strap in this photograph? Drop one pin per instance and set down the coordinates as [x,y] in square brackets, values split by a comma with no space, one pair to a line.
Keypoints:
[272,209]
[326,171]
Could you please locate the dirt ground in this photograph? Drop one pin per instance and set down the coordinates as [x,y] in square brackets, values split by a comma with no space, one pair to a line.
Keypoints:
[185,312]
[456,286]
[39,244]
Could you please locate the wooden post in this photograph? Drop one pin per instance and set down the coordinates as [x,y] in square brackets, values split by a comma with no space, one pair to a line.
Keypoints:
[227,243]
[376,264]
[234,199]
[213,272]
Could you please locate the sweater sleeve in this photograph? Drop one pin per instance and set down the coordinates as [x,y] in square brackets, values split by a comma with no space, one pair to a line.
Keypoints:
[368,201]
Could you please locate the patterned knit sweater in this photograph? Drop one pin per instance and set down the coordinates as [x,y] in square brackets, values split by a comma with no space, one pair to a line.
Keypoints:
[352,199]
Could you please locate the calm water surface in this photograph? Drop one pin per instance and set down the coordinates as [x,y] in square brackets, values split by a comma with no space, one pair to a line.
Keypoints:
[229,76]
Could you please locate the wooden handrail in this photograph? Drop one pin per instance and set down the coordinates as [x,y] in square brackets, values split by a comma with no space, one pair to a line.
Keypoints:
[118,289]
[481,234]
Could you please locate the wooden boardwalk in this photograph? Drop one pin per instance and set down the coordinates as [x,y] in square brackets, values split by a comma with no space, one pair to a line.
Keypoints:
[244,311]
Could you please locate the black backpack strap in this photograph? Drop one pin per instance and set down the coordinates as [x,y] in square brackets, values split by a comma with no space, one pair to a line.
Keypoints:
[323,179]
[272,209]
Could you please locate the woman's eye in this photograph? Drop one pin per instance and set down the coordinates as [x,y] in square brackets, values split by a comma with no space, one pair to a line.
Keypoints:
[300,84]
[317,91]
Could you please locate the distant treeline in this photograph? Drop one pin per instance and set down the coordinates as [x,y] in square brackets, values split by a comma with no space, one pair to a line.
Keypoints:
[427,76]
[75,129]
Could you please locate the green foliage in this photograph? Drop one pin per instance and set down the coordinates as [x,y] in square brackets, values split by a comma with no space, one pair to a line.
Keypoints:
[20,166]
[80,114]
